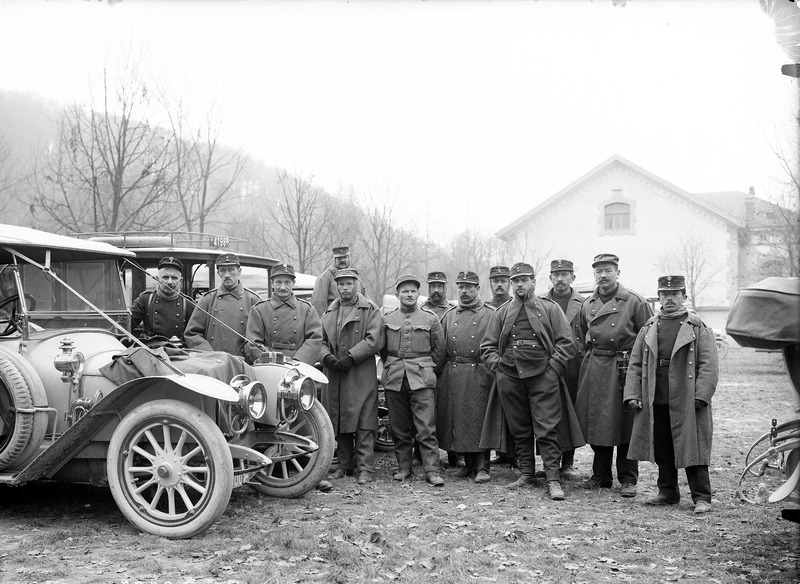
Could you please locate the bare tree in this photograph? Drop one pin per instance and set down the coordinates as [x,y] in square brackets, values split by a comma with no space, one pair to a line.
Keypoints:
[387,249]
[108,168]
[533,250]
[694,261]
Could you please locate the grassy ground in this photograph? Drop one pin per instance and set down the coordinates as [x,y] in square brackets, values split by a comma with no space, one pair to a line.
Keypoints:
[410,532]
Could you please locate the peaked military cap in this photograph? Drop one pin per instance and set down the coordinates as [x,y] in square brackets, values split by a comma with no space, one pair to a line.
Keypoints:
[341,251]
[561,266]
[406,278]
[170,262]
[521,269]
[282,270]
[499,272]
[668,283]
[467,277]
[437,277]
[346,273]
[228,259]
[605,258]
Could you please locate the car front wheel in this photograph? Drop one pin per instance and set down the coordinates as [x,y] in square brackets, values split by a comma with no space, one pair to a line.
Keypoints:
[170,469]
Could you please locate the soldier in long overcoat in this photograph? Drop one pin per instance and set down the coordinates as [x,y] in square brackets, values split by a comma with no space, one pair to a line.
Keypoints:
[229,305]
[284,323]
[672,376]
[164,311]
[610,320]
[351,335]
[562,275]
[464,381]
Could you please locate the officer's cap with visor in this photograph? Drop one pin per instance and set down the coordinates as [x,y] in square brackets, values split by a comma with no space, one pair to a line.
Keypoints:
[282,270]
[406,278]
[671,283]
[170,262]
[228,259]
[521,269]
[346,273]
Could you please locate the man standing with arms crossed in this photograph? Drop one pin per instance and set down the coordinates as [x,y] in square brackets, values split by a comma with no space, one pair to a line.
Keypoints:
[528,345]
[351,334]
[672,375]
[610,320]
[562,275]
[229,304]
[413,348]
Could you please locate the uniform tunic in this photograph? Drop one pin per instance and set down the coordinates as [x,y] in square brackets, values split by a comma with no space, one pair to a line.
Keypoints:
[607,328]
[693,374]
[160,316]
[204,333]
[438,309]
[324,291]
[351,397]
[499,302]
[292,328]
[465,381]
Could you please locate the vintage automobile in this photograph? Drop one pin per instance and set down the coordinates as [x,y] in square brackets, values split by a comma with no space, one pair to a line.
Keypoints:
[171,437]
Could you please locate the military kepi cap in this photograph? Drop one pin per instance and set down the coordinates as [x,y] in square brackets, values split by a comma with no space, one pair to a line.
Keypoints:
[341,251]
[437,277]
[668,283]
[346,273]
[467,277]
[499,272]
[171,262]
[406,278]
[282,270]
[228,259]
[561,266]
[521,269]
[605,258]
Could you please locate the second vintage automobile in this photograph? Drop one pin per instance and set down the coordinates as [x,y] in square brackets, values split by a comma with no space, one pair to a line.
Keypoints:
[170,437]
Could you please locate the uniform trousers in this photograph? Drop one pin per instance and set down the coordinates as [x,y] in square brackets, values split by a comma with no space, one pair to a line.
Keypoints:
[411,411]
[477,460]
[355,450]
[627,470]
[664,453]
[533,407]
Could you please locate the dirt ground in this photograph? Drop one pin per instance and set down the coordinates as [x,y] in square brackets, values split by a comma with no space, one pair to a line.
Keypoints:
[463,532]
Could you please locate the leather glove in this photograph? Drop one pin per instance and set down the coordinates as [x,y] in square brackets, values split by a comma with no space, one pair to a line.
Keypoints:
[329,361]
[698,403]
[344,363]
[633,404]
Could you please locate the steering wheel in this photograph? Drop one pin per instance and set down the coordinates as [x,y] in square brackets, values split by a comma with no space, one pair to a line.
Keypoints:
[12,322]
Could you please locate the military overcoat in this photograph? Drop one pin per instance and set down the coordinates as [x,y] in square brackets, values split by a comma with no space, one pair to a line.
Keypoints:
[693,374]
[438,309]
[607,328]
[551,327]
[573,315]
[166,317]
[413,346]
[464,380]
[351,397]
[291,327]
[204,333]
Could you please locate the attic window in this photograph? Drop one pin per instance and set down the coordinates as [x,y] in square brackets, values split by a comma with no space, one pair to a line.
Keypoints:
[617,217]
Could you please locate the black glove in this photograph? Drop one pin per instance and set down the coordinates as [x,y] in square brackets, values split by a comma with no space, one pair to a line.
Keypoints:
[698,403]
[633,404]
[344,363]
[329,361]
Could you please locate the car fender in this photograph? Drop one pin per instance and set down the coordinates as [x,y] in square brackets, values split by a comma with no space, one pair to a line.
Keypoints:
[108,411]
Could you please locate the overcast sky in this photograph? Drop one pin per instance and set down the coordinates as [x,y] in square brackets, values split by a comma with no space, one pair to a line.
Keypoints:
[466,114]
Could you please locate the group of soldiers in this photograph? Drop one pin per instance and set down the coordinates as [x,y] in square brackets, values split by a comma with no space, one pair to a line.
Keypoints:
[517,374]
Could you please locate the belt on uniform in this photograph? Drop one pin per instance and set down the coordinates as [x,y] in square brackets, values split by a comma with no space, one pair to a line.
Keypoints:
[604,352]
[284,345]
[408,354]
[525,343]
[457,359]
[663,362]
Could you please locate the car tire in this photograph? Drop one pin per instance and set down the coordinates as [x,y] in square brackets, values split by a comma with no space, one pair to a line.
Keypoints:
[296,477]
[23,427]
[154,484]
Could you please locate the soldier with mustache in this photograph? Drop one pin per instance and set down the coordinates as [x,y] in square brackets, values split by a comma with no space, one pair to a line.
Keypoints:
[325,290]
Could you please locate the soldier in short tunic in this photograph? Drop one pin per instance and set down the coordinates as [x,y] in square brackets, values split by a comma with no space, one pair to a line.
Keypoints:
[610,320]
[219,322]
[562,275]
[437,301]
[413,348]
[464,381]
[325,290]
[284,323]
[164,311]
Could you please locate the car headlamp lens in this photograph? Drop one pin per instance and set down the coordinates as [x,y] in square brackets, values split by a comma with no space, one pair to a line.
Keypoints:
[257,400]
[308,393]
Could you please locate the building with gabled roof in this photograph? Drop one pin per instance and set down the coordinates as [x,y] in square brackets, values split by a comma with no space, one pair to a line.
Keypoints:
[654,227]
